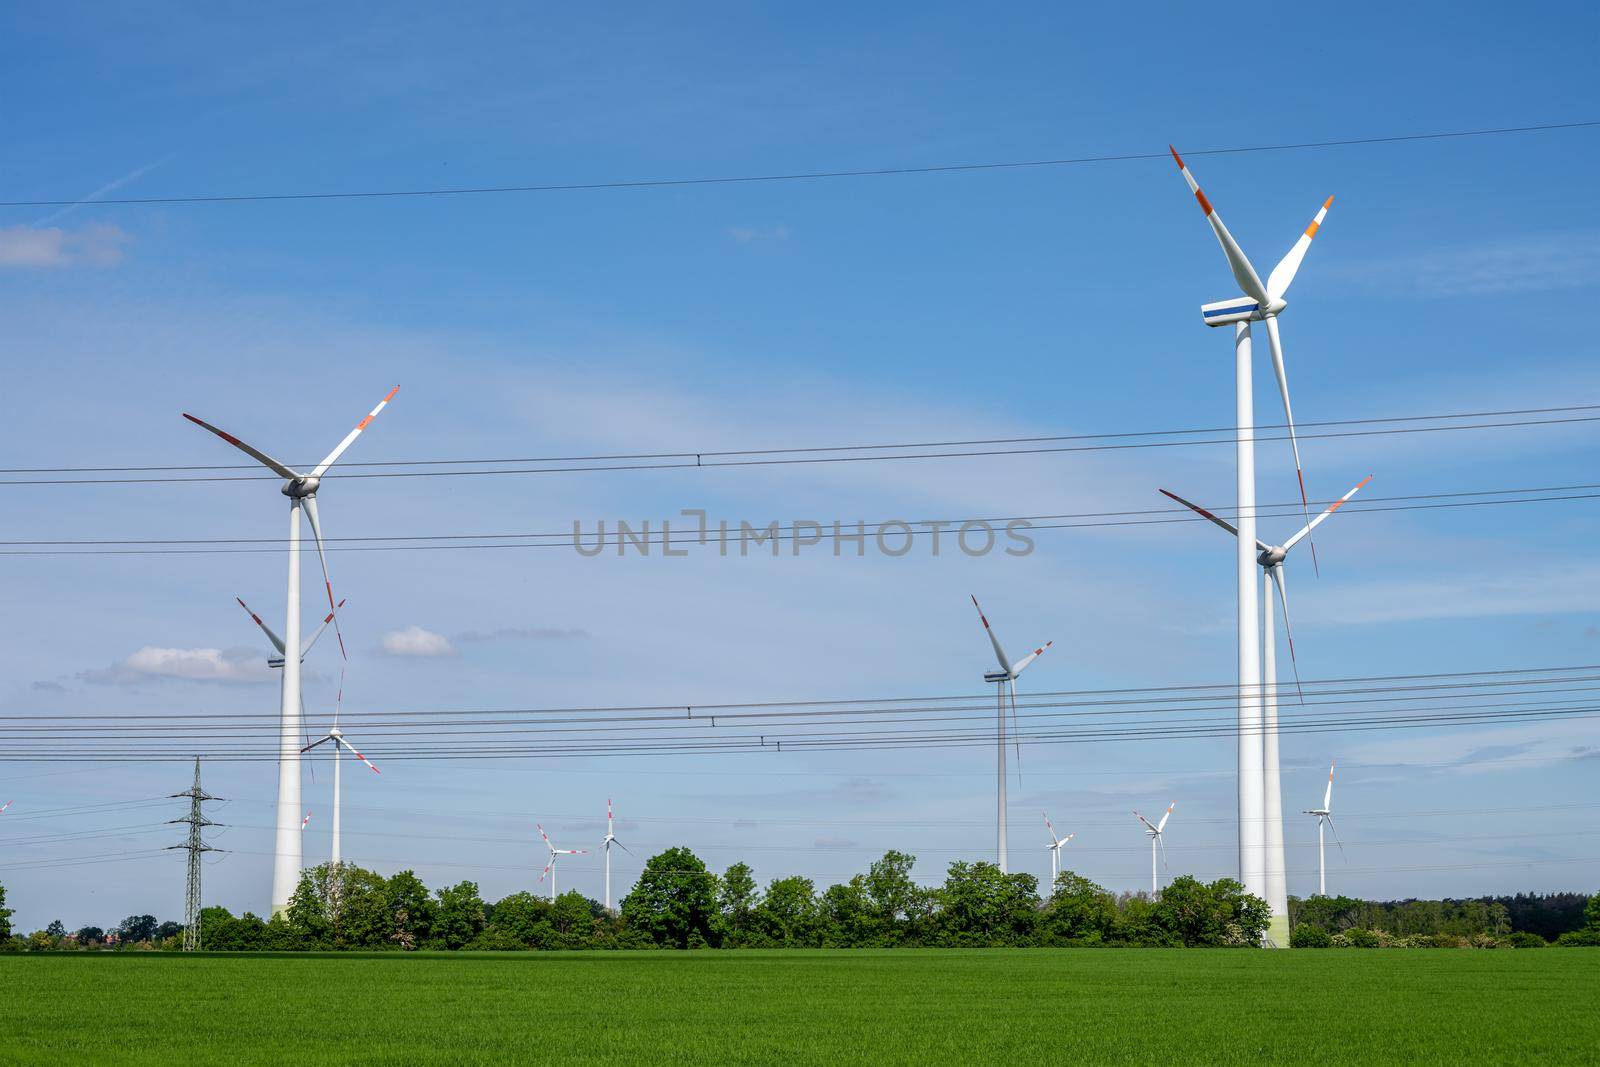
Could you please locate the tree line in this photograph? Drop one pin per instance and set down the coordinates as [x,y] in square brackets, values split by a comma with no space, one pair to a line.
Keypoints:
[679,903]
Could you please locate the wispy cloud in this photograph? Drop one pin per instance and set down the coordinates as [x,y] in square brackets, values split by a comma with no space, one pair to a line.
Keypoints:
[52,247]
[523,633]
[416,642]
[227,665]
[1553,261]
[746,234]
[1530,591]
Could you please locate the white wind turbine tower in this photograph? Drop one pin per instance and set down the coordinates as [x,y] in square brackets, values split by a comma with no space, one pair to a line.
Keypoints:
[301,489]
[1153,832]
[1260,302]
[1271,558]
[610,839]
[1055,851]
[555,854]
[1324,816]
[1005,678]
[339,745]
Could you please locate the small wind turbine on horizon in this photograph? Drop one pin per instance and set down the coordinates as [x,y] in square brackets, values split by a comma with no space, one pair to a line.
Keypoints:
[339,745]
[610,839]
[1154,832]
[555,854]
[1324,816]
[301,489]
[1271,559]
[6,805]
[1005,679]
[1259,303]
[1055,851]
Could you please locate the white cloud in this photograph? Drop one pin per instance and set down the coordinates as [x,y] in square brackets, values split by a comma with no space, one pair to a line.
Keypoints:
[415,641]
[230,665]
[1553,261]
[49,247]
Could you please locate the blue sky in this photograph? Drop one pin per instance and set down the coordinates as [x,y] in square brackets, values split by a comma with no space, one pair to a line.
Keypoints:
[1039,301]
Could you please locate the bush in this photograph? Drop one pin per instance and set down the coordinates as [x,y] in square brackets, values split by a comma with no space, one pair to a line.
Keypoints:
[1306,936]
[1588,937]
[1356,937]
[1526,939]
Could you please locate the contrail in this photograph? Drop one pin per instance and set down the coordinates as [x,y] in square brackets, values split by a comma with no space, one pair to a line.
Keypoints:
[109,187]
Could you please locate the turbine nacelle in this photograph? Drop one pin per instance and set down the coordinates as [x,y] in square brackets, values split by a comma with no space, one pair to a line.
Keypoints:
[998,676]
[1240,309]
[1272,555]
[300,488]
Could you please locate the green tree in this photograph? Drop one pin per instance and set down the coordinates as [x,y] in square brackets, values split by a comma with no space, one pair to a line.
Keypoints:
[137,928]
[458,917]
[788,914]
[1079,912]
[980,905]
[674,898]
[846,918]
[899,905]
[56,929]
[1591,911]
[521,919]
[5,915]
[410,910]
[90,935]
[572,920]
[737,897]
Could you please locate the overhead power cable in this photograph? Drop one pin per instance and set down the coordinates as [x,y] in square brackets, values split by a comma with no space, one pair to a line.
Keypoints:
[1581,414]
[795,176]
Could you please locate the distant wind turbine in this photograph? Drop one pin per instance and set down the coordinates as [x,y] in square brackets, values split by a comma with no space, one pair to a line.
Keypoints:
[610,839]
[6,805]
[1153,832]
[1324,816]
[555,854]
[1005,679]
[1055,851]
[1271,559]
[339,745]
[301,489]
[305,822]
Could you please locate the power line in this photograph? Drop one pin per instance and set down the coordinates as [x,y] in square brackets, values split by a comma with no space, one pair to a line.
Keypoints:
[817,175]
[878,453]
[714,537]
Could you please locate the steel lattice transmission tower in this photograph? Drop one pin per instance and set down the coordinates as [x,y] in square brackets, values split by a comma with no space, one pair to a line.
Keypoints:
[195,846]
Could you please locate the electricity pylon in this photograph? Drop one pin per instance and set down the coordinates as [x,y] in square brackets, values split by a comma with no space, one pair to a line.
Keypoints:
[196,820]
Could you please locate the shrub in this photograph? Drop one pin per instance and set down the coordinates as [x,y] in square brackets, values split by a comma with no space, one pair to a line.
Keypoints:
[1307,936]
[1526,939]
[1588,937]
[1356,937]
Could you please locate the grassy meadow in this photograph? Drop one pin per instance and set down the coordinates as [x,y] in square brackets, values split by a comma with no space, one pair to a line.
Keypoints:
[897,1006]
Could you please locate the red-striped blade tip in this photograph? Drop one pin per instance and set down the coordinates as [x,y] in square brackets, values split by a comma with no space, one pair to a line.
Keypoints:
[1326,204]
[1175,156]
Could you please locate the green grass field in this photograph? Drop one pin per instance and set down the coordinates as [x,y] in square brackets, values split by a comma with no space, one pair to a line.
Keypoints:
[1100,1006]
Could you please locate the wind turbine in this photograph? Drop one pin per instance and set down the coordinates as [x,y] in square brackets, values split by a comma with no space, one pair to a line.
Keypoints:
[1005,677]
[305,822]
[1271,559]
[610,839]
[339,744]
[1259,303]
[1153,832]
[555,854]
[1324,816]
[1055,851]
[6,805]
[301,489]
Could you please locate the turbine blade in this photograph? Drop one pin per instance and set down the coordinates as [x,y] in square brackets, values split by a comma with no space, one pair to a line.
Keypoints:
[338,701]
[1022,664]
[316,534]
[999,654]
[1162,845]
[1052,830]
[1163,824]
[1276,343]
[320,741]
[338,450]
[1204,514]
[623,847]
[1147,822]
[1282,275]
[1331,508]
[249,450]
[1245,274]
[326,619]
[1327,795]
[1276,570]
[305,821]
[1336,838]
[277,642]
[346,743]
[545,873]
[307,734]
[6,805]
